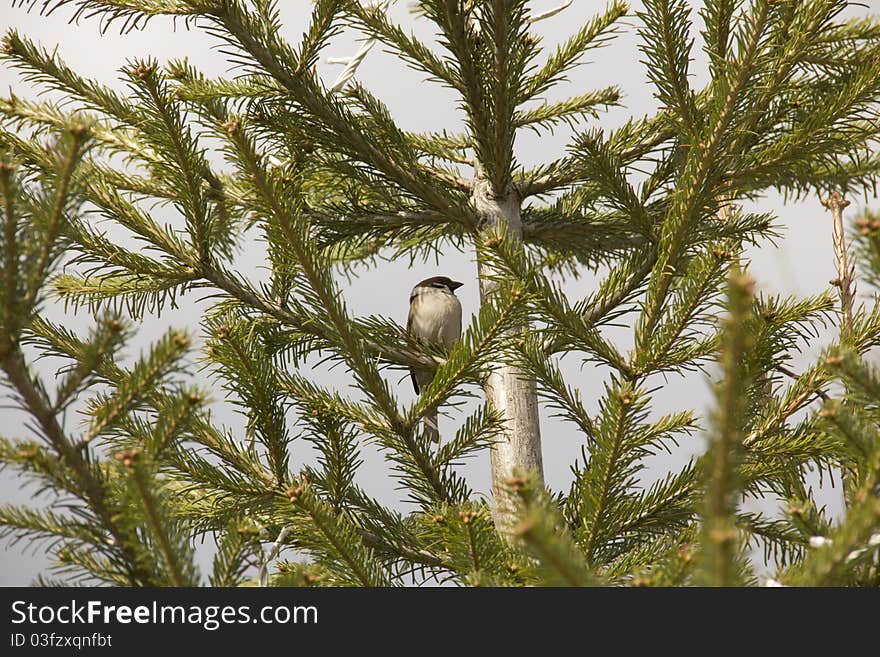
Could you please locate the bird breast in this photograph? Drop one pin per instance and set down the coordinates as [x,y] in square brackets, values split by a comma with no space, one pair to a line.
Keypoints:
[436,317]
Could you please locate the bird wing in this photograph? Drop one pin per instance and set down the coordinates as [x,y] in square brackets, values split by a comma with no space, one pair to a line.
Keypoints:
[412,372]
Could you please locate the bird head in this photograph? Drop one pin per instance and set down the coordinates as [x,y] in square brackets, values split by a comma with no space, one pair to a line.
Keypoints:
[441,284]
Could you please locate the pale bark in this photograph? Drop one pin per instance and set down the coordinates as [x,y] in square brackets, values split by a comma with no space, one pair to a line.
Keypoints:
[845,280]
[507,388]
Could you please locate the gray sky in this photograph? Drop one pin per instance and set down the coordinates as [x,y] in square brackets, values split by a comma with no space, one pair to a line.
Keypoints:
[800,263]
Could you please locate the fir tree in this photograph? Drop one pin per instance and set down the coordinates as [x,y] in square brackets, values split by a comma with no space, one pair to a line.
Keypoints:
[324,174]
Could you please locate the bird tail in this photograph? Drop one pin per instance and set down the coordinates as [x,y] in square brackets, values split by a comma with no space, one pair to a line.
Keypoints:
[431,428]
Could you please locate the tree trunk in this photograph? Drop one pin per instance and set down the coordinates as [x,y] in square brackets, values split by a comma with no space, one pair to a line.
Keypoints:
[507,390]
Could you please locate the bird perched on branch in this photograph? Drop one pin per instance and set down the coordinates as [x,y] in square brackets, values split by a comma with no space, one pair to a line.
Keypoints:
[434,316]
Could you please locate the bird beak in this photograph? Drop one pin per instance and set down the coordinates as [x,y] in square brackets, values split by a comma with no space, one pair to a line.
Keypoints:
[454,285]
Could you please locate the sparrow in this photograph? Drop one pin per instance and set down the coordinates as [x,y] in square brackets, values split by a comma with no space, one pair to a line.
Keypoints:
[434,316]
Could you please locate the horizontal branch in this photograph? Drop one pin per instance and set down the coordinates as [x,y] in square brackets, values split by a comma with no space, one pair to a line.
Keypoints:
[402,356]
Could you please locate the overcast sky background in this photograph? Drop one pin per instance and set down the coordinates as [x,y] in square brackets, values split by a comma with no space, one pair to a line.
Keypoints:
[800,263]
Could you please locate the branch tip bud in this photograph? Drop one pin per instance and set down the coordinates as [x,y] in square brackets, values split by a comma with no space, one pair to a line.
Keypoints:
[835,201]
[79,131]
[127,457]
[8,45]
[746,283]
[142,71]
[231,126]
[293,494]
